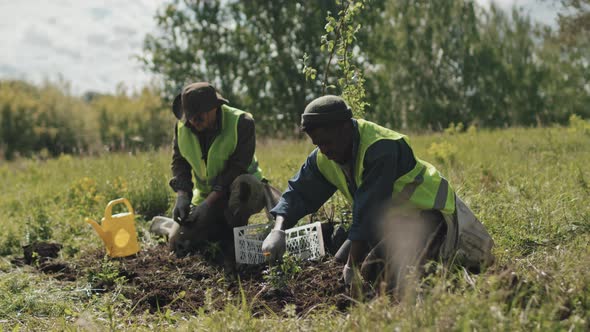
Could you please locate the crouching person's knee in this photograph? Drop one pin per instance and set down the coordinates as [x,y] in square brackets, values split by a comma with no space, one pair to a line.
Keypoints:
[246,198]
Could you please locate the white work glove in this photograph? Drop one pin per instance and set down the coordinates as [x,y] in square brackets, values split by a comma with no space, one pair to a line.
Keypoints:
[274,245]
[347,274]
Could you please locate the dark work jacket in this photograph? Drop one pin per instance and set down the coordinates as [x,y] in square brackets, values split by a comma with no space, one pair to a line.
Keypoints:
[237,163]
[385,161]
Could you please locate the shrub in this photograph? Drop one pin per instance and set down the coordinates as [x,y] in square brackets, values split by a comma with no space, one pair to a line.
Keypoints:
[443,153]
[577,124]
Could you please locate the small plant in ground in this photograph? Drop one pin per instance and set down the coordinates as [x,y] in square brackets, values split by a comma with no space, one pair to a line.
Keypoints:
[108,274]
[290,310]
[337,208]
[38,226]
[279,275]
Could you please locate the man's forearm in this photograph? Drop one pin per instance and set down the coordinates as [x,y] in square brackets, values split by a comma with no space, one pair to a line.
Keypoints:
[181,169]
[279,223]
[213,197]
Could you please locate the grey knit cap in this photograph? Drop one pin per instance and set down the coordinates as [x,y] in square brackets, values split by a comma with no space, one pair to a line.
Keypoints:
[325,111]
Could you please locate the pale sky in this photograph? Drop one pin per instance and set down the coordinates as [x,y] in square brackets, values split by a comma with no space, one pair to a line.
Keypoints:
[91,43]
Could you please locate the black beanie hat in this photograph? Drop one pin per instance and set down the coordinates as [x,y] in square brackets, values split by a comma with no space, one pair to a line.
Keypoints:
[325,111]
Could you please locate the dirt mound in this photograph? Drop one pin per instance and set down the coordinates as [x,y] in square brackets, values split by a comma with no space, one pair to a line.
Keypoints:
[155,279]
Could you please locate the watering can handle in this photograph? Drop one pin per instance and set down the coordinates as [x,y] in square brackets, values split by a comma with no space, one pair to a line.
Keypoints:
[108,212]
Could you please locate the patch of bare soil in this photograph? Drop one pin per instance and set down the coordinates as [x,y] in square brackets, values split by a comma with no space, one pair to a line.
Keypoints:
[154,279]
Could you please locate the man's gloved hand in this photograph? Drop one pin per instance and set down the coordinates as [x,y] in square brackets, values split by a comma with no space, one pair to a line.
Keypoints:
[198,213]
[181,208]
[347,274]
[274,245]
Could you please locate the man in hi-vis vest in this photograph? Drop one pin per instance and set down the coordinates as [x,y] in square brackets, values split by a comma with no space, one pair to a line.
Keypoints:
[214,147]
[403,211]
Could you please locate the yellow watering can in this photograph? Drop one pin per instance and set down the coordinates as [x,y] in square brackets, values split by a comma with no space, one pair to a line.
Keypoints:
[117,231]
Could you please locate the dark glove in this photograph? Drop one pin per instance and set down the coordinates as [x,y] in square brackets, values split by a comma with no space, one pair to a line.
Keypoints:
[181,208]
[274,245]
[198,213]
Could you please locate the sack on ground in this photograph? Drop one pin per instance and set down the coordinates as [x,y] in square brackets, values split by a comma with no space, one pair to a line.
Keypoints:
[472,242]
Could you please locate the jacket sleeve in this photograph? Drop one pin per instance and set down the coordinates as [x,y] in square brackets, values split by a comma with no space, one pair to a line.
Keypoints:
[239,161]
[308,190]
[181,169]
[385,161]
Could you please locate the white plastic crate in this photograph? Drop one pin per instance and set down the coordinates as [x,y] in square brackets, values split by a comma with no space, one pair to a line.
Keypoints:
[305,242]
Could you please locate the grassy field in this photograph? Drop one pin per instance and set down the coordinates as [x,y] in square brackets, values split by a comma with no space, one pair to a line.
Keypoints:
[530,187]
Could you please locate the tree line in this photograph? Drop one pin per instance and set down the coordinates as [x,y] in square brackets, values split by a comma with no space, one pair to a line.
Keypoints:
[426,64]
[408,64]
[44,120]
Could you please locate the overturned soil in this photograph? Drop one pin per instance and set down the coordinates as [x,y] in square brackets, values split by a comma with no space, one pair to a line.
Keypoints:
[156,279]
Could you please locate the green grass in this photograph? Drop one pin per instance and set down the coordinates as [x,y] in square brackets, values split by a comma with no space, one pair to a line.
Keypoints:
[531,188]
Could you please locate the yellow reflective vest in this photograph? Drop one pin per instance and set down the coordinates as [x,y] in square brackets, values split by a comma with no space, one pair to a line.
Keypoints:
[221,149]
[423,187]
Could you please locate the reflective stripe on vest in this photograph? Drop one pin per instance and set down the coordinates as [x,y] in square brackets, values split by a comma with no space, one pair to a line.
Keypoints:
[221,149]
[423,186]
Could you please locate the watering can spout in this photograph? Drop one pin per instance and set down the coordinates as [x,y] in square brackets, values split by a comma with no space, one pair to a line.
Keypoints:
[98,229]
